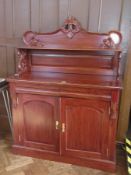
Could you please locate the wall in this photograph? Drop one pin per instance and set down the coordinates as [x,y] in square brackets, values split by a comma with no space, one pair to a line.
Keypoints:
[18,16]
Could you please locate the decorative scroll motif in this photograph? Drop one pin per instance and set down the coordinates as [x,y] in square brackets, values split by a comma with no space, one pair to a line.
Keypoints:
[113,40]
[108,43]
[23,65]
[32,39]
[71,27]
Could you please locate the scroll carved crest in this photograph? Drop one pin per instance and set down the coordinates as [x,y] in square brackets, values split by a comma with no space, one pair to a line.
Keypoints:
[71,27]
[72,32]
[23,65]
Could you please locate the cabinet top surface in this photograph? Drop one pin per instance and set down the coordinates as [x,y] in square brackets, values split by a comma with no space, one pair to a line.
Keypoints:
[58,79]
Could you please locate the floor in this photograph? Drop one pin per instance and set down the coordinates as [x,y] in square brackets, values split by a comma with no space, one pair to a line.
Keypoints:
[19,165]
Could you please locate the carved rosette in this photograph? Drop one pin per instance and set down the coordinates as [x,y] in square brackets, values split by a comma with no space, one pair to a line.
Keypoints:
[71,27]
[23,65]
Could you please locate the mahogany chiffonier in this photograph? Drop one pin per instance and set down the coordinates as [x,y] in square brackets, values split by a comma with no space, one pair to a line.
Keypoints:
[65,96]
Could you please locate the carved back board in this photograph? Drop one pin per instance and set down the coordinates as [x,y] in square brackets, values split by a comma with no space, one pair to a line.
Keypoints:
[71,49]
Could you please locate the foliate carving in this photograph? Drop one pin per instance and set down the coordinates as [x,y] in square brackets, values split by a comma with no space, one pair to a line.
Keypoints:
[32,39]
[71,27]
[23,65]
[113,39]
[108,43]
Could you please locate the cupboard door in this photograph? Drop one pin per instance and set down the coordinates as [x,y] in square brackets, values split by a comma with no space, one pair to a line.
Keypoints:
[85,128]
[38,116]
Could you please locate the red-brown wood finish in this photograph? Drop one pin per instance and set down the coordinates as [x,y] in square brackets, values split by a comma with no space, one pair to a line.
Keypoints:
[39,114]
[86,125]
[65,96]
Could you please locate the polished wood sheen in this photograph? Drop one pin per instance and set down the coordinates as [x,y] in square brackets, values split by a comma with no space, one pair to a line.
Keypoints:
[65,96]
[39,123]
[89,119]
